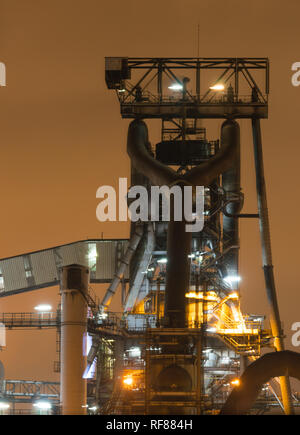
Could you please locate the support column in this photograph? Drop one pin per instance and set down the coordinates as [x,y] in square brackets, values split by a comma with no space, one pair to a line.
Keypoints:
[147,373]
[74,287]
[119,359]
[267,259]
[243,364]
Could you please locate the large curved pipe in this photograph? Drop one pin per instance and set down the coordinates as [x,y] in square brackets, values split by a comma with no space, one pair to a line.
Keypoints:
[179,241]
[137,149]
[125,261]
[178,271]
[264,228]
[258,373]
[232,185]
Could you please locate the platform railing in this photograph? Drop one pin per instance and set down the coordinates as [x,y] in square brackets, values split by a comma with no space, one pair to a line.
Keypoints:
[149,98]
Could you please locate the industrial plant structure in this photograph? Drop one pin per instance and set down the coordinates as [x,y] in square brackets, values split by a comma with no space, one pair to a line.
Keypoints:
[181,341]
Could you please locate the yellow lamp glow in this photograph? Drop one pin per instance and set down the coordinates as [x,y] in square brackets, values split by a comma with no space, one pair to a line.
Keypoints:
[217,87]
[128,380]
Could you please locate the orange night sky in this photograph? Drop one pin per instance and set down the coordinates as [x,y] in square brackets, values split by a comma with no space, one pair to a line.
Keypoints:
[62,135]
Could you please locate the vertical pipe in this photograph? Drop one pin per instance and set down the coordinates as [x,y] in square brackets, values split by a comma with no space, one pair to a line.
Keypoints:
[203,336]
[197,322]
[267,259]
[178,270]
[236,79]
[158,302]
[123,283]
[159,80]
[232,185]
[74,287]
[243,363]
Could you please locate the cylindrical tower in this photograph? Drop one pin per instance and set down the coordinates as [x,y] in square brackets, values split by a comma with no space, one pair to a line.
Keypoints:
[74,287]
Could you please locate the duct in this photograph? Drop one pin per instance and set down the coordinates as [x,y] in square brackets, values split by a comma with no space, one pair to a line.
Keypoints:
[267,257]
[92,354]
[210,360]
[179,241]
[222,270]
[133,244]
[142,265]
[222,161]
[258,373]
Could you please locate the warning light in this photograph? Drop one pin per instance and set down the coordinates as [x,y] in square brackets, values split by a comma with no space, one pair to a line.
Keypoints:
[128,381]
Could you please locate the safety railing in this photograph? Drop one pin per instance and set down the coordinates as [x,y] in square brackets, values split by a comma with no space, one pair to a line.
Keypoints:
[108,320]
[149,98]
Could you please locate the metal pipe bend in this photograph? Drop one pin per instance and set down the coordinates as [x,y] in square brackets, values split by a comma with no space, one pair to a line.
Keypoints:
[160,174]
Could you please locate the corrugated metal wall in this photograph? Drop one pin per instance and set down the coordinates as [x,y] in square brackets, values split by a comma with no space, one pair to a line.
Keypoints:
[44,266]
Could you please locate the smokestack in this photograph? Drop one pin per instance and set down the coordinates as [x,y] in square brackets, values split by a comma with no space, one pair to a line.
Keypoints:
[74,288]
[179,241]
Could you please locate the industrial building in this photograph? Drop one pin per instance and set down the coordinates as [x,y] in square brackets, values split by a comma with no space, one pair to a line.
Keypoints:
[180,342]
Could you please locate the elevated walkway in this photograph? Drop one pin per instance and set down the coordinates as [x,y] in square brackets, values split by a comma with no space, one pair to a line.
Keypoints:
[29,391]
[39,269]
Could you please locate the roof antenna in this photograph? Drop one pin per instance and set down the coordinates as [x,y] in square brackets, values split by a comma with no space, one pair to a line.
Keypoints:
[198,41]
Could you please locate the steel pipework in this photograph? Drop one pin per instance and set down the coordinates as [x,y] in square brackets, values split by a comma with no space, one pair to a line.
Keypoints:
[74,287]
[179,241]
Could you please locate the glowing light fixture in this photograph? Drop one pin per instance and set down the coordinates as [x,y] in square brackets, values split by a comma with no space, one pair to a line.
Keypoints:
[217,87]
[235,382]
[162,260]
[209,296]
[232,279]
[4,406]
[128,380]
